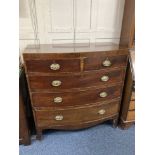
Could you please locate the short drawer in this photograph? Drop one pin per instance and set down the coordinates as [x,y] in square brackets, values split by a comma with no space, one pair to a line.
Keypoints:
[53,66]
[88,79]
[131,115]
[76,97]
[75,115]
[100,62]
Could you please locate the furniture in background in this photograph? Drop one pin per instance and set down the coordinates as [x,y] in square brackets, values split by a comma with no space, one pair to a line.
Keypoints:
[127,113]
[26,122]
[76,86]
[127,38]
[24,133]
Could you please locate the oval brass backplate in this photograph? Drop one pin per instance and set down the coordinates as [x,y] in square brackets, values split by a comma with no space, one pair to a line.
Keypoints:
[58,117]
[104,78]
[103,94]
[55,66]
[57,100]
[101,112]
[56,83]
[107,63]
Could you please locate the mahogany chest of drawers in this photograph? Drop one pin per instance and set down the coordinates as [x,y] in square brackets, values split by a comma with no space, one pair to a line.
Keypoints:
[75,86]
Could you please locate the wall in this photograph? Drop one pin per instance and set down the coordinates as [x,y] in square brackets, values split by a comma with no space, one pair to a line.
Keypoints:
[65,21]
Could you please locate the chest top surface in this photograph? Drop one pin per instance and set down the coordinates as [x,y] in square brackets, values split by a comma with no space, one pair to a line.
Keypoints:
[73,48]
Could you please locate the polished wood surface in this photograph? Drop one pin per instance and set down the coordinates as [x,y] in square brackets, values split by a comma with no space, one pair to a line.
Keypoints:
[75,98]
[73,81]
[84,114]
[44,65]
[73,48]
[75,85]
[95,62]
[77,125]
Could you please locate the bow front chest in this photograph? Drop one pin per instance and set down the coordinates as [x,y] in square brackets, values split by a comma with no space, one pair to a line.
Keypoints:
[75,86]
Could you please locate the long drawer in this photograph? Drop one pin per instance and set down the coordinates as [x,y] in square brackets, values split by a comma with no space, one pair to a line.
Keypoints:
[87,79]
[75,115]
[58,99]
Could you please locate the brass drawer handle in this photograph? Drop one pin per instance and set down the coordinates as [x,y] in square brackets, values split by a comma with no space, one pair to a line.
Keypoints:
[57,100]
[56,83]
[58,117]
[101,112]
[55,66]
[104,78]
[107,63]
[103,94]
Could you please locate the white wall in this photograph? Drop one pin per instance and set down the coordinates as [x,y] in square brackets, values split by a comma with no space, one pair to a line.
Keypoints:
[62,21]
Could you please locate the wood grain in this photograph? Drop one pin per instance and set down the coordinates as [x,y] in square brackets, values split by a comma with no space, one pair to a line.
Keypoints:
[73,116]
[83,80]
[95,62]
[68,65]
[75,98]
[131,116]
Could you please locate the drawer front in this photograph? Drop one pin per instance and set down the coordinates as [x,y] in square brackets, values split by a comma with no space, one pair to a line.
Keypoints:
[101,62]
[75,98]
[131,115]
[78,81]
[76,115]
[53,66]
